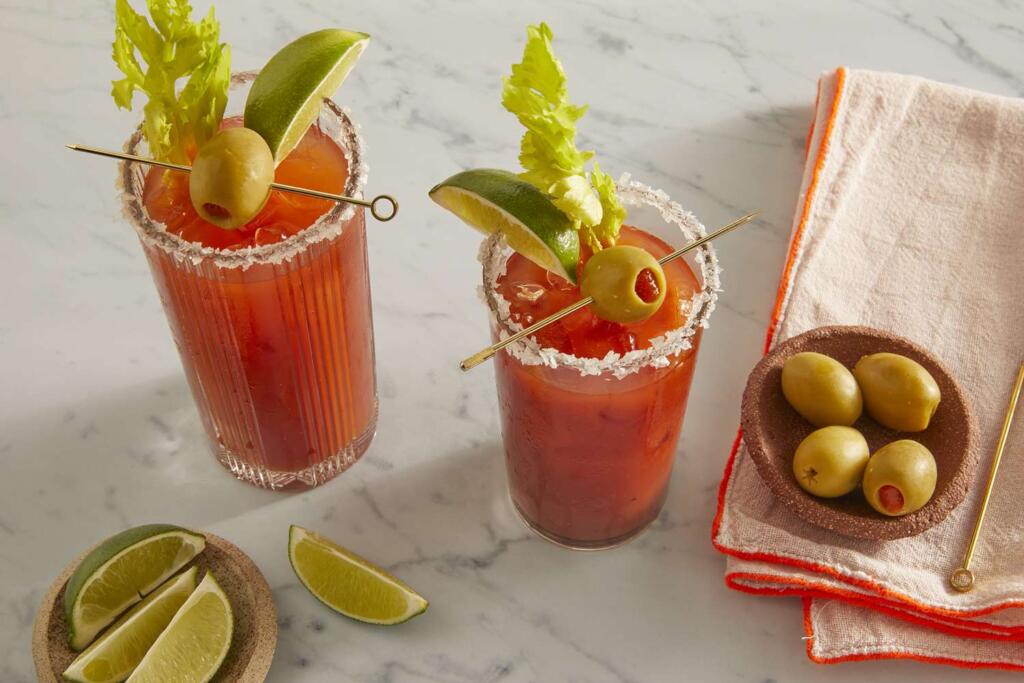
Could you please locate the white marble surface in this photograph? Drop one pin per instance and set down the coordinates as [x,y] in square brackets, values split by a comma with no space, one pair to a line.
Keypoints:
[707,100]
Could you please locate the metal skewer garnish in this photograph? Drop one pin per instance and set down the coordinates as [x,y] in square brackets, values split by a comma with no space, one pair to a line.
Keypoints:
[481,356]
[371,204]
[962,579]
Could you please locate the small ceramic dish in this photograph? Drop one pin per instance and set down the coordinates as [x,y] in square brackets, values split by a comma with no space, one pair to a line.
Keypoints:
[255,635]
[772,430]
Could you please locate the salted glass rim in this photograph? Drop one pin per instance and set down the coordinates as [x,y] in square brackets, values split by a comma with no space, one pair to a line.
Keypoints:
[494,255]
[334,120]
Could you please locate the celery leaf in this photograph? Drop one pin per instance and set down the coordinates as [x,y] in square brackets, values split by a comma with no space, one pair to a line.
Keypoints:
[536,93]
[173,48]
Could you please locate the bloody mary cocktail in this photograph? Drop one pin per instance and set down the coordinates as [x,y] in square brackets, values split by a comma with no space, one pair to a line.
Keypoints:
[589,438]
[272,320]
[591,402]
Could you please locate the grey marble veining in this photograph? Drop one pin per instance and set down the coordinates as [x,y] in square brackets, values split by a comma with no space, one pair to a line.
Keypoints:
[708,100]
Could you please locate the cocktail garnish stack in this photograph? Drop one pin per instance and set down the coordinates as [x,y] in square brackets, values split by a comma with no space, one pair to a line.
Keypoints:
[232,169]
[555,213]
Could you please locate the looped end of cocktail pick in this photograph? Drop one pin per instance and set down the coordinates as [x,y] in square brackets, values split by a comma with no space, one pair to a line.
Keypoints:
[485,354]
[386,215]
[962,580]
[382,216]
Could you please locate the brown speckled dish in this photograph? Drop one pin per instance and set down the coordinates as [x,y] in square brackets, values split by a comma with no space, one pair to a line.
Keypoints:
[253,642]
[772,430]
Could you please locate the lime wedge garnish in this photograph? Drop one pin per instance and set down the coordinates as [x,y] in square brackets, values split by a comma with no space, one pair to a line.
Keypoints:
[115,655]
[498,201]
[121,570]
[195,643]
[286,96]
[348,583]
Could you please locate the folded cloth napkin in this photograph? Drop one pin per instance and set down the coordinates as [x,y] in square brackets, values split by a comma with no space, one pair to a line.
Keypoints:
[910,219]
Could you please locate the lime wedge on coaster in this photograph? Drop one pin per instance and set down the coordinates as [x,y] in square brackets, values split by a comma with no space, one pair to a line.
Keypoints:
[349,584]
[195,643]
[121,570]
[287,94]
[492,201]
[115,655]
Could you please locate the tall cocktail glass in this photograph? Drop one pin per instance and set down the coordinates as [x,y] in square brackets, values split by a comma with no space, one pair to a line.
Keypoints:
[276,340]
[590,443]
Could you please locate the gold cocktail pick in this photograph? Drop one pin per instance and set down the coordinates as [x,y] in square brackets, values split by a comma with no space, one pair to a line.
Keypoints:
[962,579]
[480,356]
[371,204]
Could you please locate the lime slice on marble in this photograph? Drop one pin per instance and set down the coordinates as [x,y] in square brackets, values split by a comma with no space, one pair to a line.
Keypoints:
[195,643]
[115,655]
[120,571]
[286,96]
[492,201]
[349,584]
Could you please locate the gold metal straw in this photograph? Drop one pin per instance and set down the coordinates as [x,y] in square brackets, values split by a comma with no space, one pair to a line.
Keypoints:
[372,204]
[480,356]
[962,579]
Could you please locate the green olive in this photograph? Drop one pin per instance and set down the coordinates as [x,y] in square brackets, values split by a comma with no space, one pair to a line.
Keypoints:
[830,462]
[900,478]
[898,392]
[627,284]
[821,389]
[231,177]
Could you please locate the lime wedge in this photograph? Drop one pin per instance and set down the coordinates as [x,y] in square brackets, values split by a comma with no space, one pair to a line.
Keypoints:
[115,655]
[121,570]
[195,643]
[498,201]
[348,584]
[286,96]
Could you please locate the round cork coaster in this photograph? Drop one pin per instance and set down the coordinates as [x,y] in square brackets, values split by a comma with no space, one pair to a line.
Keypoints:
[255,635]
[772,430]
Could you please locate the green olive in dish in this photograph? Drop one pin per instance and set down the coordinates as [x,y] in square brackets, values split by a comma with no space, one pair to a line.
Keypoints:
[900,478]
[830,462]
[898,392]
[821,389]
